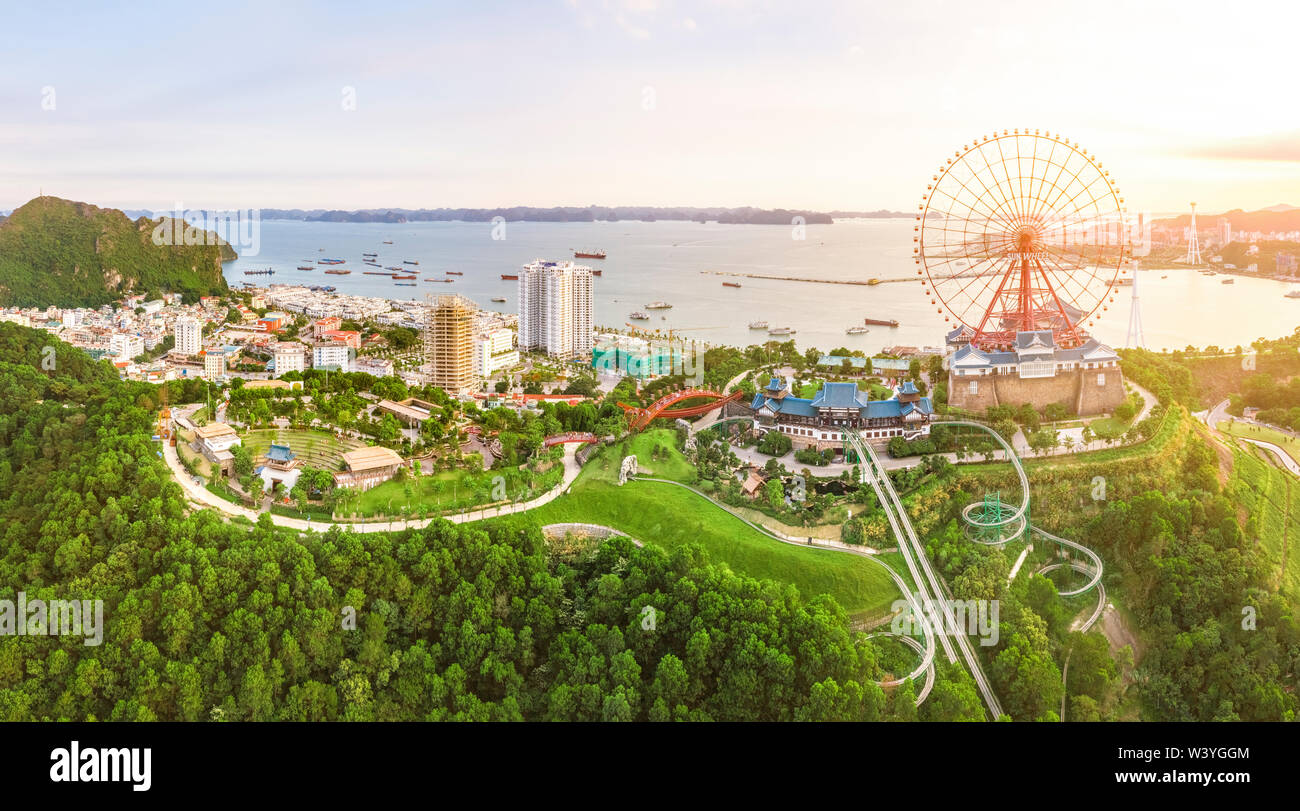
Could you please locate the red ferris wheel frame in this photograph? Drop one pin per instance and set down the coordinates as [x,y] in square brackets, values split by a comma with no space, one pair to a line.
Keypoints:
[1021,231]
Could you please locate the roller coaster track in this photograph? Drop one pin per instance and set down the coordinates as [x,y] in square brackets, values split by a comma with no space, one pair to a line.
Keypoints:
[1094,573]
[927,583]
[639,418]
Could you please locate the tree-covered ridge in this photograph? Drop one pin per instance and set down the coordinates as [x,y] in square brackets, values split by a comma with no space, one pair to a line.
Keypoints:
[67,254]
[207,620]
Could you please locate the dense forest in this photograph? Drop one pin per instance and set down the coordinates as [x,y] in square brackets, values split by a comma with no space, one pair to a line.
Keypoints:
[209,620]
[66,254]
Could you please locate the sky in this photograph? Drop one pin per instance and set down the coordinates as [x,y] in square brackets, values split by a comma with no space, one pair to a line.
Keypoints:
[818,105]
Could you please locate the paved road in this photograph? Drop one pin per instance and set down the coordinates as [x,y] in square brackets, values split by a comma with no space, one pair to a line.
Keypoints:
[1219,413]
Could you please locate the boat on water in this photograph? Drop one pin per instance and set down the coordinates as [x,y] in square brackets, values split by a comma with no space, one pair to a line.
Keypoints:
[455,273]
[880,322]
[499,299]
[306,267]
[376,273]
[659,305]
[1294,293]
[588,254]
[266,272]
[409,262]
[857,330]
[329,261]
[1228,281]
[338,272]
[639,316]
[873,281]
[406,284]
[370,255]
[731,284]
[446,281]
[758,325]
[509,276]
[596,272]
[388,242]
[404,278]
[781,331]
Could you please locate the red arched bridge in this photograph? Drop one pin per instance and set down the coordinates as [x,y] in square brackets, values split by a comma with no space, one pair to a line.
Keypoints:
[572,436]
[638,418]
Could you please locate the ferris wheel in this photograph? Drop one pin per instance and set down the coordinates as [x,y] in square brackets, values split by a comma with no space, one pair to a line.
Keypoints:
[1021,231]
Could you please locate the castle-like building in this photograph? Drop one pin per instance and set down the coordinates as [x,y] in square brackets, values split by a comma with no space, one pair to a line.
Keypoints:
[1085,379]
[820,422]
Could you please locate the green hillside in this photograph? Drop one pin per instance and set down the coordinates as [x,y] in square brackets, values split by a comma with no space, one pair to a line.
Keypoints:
[67,254]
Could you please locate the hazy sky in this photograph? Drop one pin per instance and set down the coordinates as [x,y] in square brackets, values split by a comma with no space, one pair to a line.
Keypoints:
[654,102]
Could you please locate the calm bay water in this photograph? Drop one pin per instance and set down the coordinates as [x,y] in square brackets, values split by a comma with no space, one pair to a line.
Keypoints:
[649,261]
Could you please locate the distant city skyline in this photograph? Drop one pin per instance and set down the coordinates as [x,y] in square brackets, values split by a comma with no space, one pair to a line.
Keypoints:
[835,105]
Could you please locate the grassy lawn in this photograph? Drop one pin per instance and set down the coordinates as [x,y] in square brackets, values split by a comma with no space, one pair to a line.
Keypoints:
[319,449]
[670,516]
[451,490]
[656,455]
[1289,444]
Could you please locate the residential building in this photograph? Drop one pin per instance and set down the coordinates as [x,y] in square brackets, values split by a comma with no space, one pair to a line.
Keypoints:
[288,357]
[379,367]
[214,364]
[449,343]
[555,309]
[334,356]
[125,346]
[494,350]
[189,336]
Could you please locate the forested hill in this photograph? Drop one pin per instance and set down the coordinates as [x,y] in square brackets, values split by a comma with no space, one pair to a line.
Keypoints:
[68,254]
[209,620]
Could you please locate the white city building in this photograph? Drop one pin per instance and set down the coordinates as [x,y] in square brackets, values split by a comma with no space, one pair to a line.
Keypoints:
[214,365]
[332,356]
[125,346]
[189,336]
[495,350]
[555,308]
[289,357]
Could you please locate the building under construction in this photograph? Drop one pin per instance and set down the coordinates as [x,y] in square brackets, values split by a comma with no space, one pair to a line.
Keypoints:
[449,343]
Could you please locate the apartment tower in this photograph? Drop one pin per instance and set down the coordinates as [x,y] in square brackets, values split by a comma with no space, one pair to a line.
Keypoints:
[555,309]
[449,328]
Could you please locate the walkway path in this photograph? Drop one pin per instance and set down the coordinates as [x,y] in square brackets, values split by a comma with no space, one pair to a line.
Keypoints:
[202,496]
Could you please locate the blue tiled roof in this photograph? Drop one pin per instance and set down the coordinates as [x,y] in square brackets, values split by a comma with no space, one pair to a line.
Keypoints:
[837,395]
[279,453]
[908,387]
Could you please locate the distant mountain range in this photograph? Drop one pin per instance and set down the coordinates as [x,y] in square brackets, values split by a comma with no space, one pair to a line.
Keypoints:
[1281,217]
[745,215]
[68,254]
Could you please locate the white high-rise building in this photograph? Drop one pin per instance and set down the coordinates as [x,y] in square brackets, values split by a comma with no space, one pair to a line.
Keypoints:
[555,309]
[189,336]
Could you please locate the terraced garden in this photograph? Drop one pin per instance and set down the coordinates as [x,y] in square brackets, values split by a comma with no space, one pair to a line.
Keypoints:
[319,449]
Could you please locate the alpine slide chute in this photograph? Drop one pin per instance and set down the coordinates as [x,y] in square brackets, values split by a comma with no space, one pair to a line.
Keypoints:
[989,521]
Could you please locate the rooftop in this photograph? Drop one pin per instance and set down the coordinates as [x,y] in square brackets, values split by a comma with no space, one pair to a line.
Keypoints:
[370,458]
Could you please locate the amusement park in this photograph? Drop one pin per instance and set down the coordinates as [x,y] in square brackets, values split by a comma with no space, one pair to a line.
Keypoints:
[1020,242]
